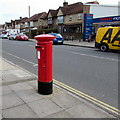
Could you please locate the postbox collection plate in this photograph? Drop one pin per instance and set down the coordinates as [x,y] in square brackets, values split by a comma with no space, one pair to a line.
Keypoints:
[38,54]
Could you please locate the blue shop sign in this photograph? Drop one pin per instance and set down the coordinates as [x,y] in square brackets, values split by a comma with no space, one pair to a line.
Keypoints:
[107,19]
[88,23]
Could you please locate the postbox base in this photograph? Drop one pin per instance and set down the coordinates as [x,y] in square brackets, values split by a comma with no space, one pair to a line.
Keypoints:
[45,88]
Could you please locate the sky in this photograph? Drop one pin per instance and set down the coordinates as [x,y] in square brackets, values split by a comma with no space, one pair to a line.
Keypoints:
[13,9]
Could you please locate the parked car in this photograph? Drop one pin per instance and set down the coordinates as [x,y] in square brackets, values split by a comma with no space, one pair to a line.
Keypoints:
[12,37]
[21,37]
[0,35]
[4,36]
[59,39]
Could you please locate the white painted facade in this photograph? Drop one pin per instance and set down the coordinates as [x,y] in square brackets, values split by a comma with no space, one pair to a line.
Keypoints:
[103,10]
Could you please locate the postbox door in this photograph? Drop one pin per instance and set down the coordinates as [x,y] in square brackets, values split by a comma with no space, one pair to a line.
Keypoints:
[49,62]
[41,63]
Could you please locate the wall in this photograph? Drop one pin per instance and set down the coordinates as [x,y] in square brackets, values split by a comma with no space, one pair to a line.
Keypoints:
[103,10]
[36,24]
[74,19]
[45,23]
[86,8]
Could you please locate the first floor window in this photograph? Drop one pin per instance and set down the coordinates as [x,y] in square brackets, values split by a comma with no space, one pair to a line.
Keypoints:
[70,18]
[60,19]
[50,21]
[79,16]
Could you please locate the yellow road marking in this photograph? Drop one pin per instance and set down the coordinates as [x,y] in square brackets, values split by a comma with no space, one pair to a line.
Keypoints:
[89,98]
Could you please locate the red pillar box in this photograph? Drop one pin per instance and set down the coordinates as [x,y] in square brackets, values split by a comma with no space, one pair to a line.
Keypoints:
[44,56]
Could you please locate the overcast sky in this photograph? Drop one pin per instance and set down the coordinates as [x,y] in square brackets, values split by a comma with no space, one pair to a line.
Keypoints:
[13,9]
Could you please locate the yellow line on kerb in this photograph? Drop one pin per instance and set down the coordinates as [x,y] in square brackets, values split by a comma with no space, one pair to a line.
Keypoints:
[89,98]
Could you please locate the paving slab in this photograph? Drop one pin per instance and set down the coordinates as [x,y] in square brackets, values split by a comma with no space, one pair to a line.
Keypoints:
[22,111]
[6,66]
[69,101]
[81,44]
[11,73]
[61,114]
[18,87]
[6,90]
[44,107]
[87,111]
[33,83]
[11,100]
[26,92]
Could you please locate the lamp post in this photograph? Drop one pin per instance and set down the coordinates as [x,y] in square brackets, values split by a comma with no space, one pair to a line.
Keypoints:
[29,22]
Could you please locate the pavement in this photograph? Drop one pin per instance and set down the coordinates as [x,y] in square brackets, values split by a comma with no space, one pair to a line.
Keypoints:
[20,98]
[76,43]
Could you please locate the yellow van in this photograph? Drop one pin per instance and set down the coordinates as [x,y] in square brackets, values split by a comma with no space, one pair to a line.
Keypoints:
[108,38]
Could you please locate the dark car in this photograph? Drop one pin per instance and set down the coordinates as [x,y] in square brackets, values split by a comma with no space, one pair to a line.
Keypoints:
[59,39]
[21,37]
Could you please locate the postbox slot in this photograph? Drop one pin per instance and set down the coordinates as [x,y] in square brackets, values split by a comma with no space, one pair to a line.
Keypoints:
[38,47]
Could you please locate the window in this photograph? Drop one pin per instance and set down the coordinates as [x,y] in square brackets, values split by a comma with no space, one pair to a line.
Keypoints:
[79,16]
[26,24]
[40,22]
[31,24]
[79,29]
[70,18]
[17,26]
[60,19]
[50,21]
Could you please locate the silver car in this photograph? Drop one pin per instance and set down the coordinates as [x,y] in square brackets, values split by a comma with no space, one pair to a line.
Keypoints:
[12,37]
[4,36]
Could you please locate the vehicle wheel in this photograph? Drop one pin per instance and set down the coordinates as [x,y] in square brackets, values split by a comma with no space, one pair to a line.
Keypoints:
[104,47]
[61,43]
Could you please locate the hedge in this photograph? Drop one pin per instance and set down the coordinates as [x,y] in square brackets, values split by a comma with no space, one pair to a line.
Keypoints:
[41,31]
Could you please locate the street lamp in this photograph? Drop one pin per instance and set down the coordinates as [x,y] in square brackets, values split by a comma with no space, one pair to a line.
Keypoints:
[29,22]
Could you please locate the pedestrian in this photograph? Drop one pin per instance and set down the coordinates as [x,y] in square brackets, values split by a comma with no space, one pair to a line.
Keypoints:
[89,39]
[92,37]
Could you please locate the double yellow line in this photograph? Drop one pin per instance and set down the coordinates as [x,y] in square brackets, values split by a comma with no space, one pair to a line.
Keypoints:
[89,98]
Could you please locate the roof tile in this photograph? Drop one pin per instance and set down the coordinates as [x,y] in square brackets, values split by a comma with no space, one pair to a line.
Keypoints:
[53,12]
[36,17]
[72,8]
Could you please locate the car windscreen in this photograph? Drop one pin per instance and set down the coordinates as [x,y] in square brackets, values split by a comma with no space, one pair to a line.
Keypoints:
[22,35]
[58,35]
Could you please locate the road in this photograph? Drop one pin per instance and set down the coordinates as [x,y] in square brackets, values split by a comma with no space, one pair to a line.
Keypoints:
[85,69]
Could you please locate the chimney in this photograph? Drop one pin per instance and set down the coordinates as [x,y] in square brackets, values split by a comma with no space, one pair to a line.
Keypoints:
[65,3]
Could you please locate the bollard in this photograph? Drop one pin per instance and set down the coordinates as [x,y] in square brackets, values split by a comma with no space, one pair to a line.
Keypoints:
[44,56]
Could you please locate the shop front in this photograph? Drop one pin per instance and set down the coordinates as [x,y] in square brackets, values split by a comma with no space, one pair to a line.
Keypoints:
[106,21]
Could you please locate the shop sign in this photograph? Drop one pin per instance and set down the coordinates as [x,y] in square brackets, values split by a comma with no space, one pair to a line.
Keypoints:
[106,19]
[88,21]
